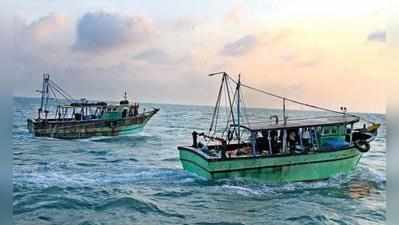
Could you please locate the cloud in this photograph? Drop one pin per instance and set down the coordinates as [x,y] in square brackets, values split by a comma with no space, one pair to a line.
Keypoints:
[41,44]
[240,47]
[102,30]
[379,36]
[44,28]
[154,56]
[185,53]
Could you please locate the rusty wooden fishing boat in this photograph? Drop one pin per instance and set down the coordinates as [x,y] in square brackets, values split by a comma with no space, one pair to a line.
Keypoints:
[73,119]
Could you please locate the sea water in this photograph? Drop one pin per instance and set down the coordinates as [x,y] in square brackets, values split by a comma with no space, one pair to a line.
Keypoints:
[138,179]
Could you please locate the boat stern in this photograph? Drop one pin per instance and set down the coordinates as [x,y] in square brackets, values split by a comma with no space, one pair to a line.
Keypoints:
[29,125]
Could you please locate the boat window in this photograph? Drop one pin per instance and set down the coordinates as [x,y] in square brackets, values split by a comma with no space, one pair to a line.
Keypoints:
[326,130]
[341,130]
[348,129]
[124,113]
[334,130]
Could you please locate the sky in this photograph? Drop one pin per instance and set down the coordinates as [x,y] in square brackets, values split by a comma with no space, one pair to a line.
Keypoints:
[328,53]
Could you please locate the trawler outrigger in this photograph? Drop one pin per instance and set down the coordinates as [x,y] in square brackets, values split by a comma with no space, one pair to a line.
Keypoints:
[82,119]
[276,150]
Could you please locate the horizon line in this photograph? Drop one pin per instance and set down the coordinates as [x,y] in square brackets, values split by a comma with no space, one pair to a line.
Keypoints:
[208,105]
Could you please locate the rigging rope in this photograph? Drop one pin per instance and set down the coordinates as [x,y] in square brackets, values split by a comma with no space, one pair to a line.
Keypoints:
[55,96]
[245,109]
[61,91]
[231,116]
[240,97]
[298,102]
[217,106]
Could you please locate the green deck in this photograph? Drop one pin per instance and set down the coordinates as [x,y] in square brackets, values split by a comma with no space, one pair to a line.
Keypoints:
[304,167]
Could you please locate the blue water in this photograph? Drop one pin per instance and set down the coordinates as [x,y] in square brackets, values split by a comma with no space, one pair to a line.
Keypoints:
[139,180]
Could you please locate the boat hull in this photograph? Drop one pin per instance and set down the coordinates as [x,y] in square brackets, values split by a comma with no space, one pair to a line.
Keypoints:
[92,128]
[303,167]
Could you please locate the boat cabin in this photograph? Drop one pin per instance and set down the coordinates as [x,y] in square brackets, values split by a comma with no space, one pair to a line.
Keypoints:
[82,111]
[300,136]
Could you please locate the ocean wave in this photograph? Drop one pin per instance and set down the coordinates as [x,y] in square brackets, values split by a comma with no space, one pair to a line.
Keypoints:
[218,223]
[47,201]
[48,177]
[135,204]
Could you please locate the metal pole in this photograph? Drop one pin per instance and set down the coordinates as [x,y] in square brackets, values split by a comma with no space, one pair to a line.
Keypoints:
[42,97]
[350,135]
[46,79]
[230,100]
[285,130]
[253,143]
[284,117]
[300,136]
[312,140]
[238,108]
[285,140]
[270,143]
[217,104]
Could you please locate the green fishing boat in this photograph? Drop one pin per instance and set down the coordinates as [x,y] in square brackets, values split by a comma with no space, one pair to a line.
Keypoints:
[276,150]
[73,119]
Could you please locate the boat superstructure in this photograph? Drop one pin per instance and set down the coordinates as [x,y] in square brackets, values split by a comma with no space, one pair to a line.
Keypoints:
[276,149]
[82,119]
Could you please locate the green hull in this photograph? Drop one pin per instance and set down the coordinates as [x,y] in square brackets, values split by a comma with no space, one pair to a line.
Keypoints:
[303,167]
[132,129]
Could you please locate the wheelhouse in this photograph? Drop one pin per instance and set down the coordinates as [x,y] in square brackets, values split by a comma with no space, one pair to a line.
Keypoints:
[301,136]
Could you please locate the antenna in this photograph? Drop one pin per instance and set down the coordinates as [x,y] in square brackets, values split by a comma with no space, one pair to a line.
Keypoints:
[125,95]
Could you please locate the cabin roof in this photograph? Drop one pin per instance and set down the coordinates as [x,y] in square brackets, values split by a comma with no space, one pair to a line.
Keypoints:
[298,123]
[88,104]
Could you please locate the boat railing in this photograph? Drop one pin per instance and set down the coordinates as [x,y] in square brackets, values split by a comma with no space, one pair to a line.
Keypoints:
[296,119]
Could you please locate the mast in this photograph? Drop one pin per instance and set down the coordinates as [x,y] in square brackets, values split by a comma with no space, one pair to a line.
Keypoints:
[44,96]
[215,110]
[47,96]
[230,102]
[238,109]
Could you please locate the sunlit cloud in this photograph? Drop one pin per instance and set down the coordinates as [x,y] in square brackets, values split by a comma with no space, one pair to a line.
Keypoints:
[46,28]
